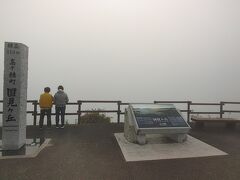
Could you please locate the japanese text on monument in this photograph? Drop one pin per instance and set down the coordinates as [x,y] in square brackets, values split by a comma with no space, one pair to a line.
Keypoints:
[12,52]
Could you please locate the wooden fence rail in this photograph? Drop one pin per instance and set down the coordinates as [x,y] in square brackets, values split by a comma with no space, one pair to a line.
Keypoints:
[189,105]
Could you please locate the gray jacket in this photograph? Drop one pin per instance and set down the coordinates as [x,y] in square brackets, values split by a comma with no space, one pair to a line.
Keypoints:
[60,98]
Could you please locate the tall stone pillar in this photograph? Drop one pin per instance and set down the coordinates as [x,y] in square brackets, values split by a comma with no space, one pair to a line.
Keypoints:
[14,95]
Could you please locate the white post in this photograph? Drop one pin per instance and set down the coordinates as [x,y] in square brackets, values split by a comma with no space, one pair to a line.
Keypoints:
[14,95]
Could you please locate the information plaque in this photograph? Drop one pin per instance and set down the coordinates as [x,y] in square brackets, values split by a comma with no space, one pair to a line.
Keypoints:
[157,117]
[165,119]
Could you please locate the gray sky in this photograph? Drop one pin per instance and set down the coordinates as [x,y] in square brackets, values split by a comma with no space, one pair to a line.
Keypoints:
[132,50]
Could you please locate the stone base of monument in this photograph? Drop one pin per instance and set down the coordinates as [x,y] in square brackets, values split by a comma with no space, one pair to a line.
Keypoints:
[30,150]
[129,130]
[141,138]
[180,138]
[161,147]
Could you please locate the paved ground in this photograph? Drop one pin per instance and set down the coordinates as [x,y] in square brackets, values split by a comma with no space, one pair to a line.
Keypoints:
[89,152]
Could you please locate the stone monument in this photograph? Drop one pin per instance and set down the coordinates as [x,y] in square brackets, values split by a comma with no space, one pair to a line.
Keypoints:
[14,95]
[164,119]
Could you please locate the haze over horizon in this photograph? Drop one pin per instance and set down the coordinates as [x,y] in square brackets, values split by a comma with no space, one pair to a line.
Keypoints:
[129,50]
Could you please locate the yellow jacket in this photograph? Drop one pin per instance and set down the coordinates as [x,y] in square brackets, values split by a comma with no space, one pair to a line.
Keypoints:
[46,100]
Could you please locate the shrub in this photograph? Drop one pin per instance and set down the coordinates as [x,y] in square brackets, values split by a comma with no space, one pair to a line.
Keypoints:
[95,117]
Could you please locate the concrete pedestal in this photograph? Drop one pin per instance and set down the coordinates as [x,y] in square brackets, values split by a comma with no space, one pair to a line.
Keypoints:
[180,138]
[130,133]
[129,130]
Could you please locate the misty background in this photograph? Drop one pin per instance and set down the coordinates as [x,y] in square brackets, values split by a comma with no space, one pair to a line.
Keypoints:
[129,50]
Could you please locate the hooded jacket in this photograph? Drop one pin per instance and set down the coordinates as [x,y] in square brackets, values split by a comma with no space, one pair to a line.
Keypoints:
[46,101]
[60,98]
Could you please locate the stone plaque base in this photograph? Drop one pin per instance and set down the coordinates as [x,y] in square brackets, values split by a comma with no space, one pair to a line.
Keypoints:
[10,136]
[28,150]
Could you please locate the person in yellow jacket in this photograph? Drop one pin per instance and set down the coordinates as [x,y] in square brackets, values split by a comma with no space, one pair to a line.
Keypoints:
[45,103]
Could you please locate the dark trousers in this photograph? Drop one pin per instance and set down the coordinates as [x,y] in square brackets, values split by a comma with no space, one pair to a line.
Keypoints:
[42,114]
[60,111]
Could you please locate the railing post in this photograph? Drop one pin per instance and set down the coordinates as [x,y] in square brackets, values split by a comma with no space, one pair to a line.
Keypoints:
[221,109]
[35,112]
[119,111]
[79,111]
[188,110]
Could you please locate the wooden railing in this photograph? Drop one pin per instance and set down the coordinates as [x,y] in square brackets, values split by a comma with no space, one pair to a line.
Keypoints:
[188,110]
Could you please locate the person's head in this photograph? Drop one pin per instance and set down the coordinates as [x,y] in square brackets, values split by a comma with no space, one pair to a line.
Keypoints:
[60,87]
[47,89]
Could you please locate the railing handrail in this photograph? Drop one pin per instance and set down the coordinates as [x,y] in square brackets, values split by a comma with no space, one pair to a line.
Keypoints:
[97,101]
[227,102]
[175,102]
[206,104]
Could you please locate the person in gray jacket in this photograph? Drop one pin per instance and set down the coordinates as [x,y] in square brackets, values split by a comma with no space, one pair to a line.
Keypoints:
[60,100]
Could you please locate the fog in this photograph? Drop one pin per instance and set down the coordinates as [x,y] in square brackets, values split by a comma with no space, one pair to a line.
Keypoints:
[129,50]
